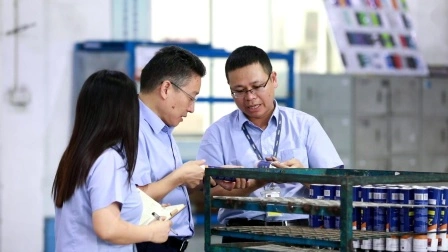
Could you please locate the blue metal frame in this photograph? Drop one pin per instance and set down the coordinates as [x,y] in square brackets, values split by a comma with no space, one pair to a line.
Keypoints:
[201,50]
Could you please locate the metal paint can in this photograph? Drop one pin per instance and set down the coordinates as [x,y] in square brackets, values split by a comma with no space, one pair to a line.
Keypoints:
[337,196]
[366,215]
[393,218]
[443,239]
[406,218]
[434,199]
[420,242]
[356,214]
[316,192]
[379,217]
[329,194]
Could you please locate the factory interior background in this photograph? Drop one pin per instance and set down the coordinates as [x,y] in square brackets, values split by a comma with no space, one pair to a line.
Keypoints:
[407,130]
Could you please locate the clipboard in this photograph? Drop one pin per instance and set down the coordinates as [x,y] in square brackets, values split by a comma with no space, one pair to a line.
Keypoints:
[151,206]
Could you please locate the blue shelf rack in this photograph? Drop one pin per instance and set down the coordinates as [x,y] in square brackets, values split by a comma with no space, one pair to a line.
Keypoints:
[201,50]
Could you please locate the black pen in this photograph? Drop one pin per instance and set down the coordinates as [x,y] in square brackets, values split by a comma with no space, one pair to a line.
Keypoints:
[158,218]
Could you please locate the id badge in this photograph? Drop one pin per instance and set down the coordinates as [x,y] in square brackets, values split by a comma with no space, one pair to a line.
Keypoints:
[272,192]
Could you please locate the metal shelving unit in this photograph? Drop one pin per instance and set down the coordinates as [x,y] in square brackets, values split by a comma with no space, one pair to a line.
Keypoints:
[121,55]
[279,236]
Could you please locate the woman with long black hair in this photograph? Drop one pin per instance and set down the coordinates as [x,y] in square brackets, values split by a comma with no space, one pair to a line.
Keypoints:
[98,207]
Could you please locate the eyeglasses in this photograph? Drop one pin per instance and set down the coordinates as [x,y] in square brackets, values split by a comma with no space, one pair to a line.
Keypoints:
[192,99]
[255,90]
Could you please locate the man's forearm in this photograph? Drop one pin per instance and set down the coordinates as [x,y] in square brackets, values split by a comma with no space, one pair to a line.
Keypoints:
[254,185]
[159,189]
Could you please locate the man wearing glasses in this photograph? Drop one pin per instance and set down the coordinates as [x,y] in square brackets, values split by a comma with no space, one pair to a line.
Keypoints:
[261,130]
[169,84]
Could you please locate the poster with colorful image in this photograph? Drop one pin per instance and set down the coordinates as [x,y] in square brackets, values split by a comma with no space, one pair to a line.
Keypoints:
[375,37]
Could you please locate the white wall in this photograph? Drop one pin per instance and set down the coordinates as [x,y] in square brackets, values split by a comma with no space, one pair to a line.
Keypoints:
[237,23]
[431,27]
[170,23]
[22,132]
[68,22]
[32,138]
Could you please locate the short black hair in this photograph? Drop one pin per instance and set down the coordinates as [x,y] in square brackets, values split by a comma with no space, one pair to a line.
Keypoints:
[170,63]
[247,55]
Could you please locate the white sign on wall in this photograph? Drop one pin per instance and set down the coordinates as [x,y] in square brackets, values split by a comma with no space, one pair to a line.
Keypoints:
[143,54]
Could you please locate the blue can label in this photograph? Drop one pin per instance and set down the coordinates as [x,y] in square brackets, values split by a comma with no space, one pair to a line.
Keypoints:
[337,196]
[316,192]
[393,213]
[329,194]
[356,215]
[379,213]
[366,212]
[443,212]
[442,236]
[316,221]
[406,213]
[434,199]
[420,213]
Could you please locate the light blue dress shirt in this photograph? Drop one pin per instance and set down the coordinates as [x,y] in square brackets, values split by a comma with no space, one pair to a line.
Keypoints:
[158,156]
[302,137]
[106,183]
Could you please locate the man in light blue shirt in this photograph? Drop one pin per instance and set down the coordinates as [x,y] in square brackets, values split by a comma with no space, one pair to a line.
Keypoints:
[169,84]
[262,130]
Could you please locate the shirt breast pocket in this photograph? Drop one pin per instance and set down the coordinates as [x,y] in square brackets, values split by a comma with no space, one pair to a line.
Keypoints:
[299,154]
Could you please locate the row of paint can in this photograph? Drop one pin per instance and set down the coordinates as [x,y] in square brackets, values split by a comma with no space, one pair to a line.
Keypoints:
[426,225]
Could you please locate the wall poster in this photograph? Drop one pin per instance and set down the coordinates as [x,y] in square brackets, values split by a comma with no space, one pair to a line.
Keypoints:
[375,37]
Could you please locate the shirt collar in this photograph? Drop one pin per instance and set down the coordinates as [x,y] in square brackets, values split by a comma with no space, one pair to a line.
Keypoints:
[153,120]
[242,119]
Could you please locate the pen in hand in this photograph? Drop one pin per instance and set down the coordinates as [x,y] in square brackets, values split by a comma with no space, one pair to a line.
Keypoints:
[158,218]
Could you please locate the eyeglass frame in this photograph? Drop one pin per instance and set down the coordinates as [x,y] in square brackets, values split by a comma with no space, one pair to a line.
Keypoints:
[192,99]
[253,90]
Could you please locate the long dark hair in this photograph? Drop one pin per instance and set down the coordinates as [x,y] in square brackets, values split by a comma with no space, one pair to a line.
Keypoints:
[107,115]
